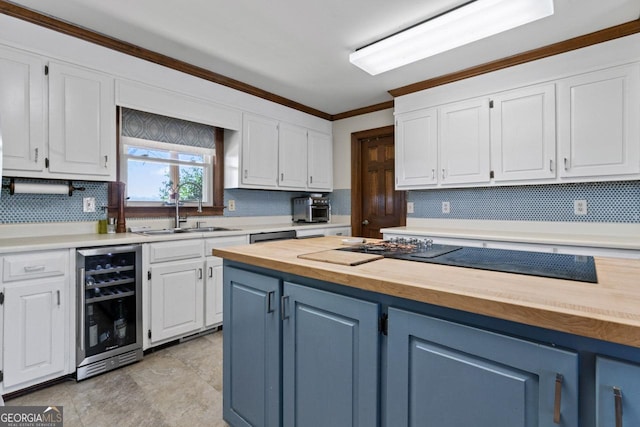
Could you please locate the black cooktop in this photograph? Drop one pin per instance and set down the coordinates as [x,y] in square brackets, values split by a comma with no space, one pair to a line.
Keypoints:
[560,266]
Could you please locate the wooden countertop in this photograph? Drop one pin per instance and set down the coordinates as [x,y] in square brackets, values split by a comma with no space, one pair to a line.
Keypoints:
[608,310]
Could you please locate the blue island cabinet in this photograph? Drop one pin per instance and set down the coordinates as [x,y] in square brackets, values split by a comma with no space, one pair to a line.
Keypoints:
[617,393]
[297,356]
[251,351]
[449,375]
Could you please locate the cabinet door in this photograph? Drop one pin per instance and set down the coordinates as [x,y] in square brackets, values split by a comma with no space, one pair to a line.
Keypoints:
[598,126]
[450,375]
[252,340]
[464,142]
[176,299]
[259,151]
[329,359]
[22,110]
[82,119]
[417,149]
[292,156]
[320,161]
[523,134]
[34,330]
[617,393]
[213,292]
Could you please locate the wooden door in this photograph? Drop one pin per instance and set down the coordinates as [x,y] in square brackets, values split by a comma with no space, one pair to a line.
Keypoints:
[375,202]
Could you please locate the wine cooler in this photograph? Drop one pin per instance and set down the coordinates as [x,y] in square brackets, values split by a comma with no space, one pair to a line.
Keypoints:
[109,316]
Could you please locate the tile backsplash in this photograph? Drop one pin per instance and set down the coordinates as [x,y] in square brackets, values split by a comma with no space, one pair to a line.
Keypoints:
[615,202]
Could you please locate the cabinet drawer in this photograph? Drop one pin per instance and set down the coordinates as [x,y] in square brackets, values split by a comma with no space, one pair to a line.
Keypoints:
[34,265]
[223,242]
[170,251]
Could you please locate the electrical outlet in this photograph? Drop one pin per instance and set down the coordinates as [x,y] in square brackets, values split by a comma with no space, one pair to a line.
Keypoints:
[580,207]
[409,207]
[446,207]
[89,204]
[231,206]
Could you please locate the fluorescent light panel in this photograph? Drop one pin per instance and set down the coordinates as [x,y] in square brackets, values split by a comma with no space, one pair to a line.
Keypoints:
[466,24]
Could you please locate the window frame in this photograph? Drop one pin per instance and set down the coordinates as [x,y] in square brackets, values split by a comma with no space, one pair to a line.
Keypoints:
[217,209]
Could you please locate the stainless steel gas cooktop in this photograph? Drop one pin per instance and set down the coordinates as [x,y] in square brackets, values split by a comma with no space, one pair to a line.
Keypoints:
[560,266]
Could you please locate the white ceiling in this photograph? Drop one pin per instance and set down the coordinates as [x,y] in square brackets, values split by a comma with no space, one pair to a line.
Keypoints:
[299,49]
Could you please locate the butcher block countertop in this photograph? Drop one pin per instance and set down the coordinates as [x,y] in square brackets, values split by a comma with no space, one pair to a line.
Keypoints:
[608,310]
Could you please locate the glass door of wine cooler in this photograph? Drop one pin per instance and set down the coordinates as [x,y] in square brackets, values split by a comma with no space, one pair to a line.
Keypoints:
[109,308]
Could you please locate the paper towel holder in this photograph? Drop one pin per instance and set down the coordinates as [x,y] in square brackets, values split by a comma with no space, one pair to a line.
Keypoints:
[12,187]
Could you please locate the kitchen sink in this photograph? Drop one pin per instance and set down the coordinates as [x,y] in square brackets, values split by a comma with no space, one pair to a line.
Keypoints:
[184,230]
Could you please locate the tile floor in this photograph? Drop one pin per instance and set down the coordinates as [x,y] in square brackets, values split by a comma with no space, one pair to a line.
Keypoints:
[179,385]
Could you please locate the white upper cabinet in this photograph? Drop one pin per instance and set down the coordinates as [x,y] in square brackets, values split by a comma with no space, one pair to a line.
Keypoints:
[464,142]
[260,151]
[82,122]
[22,109]
[320,161]
[292,156]
[523,134]
[275,155]
[599,123]
[416,148]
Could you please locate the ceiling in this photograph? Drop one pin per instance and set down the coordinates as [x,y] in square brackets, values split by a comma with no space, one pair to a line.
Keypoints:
[299,49]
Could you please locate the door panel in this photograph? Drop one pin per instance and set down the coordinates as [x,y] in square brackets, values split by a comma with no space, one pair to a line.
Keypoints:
[330,359]
[382,205]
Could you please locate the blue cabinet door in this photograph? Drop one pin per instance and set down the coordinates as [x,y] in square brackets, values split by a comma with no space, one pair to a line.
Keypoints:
[617,393]
[330,359]
[449,375]
[252,341]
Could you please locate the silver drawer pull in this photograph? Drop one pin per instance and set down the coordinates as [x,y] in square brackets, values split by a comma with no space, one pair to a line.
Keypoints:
[33,268]
[557,402]
[58,293]
[283,315]
[617,397]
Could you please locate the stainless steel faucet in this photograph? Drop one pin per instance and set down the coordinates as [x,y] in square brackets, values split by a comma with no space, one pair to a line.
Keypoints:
[176,198]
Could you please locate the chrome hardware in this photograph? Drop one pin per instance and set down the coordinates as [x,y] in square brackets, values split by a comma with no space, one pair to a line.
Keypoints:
[36,154]
[246,173]
[566,164]
[310,180]
[58,294]
[365,222]
[106,161]
[281,176]
[433,174]
[199,273]
[551,165]
[443,173]
[210,271]
[33,268]
[557,401]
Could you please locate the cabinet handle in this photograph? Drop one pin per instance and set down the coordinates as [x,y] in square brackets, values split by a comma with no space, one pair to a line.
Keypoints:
[58,294]
[433,174]
[270,301]
[566,164]
[81,321]
[281,176]
[617,397]
[210,271]
[283,315]
[551,165]
[33,268]
[199,273]
[106,161]
[36,155]
[310,180]
[246,173]
[557,401]
[443,173]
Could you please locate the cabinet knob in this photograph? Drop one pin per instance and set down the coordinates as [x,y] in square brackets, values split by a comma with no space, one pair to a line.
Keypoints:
[365,222]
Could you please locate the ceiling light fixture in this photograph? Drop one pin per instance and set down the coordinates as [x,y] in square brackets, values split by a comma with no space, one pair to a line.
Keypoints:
[470,22]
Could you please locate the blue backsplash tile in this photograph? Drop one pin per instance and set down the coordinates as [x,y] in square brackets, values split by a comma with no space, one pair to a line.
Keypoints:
[606,202]
[617,202]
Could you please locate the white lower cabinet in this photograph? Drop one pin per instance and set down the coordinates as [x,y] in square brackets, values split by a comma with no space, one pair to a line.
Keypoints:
[36,313]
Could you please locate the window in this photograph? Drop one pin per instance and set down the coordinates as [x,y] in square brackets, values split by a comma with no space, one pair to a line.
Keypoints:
[159,155]
[155,170]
